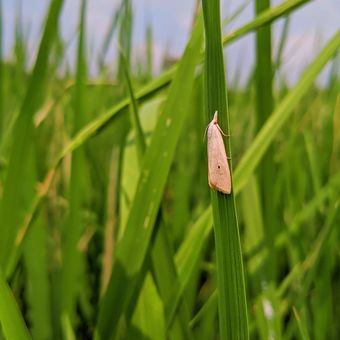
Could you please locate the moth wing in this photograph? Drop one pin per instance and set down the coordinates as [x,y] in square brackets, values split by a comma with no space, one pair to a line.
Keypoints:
[218,167]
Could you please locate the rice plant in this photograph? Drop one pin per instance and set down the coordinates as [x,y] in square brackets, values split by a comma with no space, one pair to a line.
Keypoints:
[108,227]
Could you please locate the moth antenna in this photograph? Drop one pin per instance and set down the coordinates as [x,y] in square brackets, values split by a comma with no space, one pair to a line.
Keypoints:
[205,132]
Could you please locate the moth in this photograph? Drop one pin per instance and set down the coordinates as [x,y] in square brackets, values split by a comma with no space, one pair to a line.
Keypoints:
[218,167]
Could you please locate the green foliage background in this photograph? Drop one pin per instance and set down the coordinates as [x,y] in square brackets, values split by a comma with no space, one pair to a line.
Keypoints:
[108,228]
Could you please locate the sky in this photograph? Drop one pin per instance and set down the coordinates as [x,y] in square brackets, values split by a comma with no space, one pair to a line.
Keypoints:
[310,28]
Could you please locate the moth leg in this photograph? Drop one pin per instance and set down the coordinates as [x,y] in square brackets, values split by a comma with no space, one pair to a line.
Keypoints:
[222,132]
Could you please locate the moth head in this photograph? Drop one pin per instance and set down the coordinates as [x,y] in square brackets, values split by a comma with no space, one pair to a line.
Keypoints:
[215,117]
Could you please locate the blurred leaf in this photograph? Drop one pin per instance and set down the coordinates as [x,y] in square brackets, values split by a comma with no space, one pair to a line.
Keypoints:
[2,76]
[149,316]
[281,114]
[301,326]
[38,292]
[71,269]
[20,180]
[132,248]
[12,322]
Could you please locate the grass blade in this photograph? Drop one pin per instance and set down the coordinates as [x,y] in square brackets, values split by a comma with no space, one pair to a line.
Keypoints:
[19,183]
[166,78]
[265,18]
[231,290]
[264,108]
[301,325]
[71,265]
[125,37]
[1,75]
[163,265]
[250,160]
[12,322]
[263,139]
[105,209]
[149,314]
[139,135]
[38,294]
[133,247]
[116,17]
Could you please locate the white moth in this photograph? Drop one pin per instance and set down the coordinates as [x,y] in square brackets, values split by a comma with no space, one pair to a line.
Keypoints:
[218,167]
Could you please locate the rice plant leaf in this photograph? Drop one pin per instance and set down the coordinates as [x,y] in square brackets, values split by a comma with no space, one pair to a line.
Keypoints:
[254,233]
[67,330]
[139,135]
[38,292]
[163,265]
[265,18]
[12,323]
[282,42]
[308,272]
[192,246]
[1,76]
[186,259]
[131,250]
[264,138]
[149,51]
[148,318]
[166,78]
[20,177]
[125,36]
[301,326]
[116,17]
[330,189]
[264,108]
[230,18]
[72,258]
[279,111]
[232,304]
[98,124]
[209,305]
